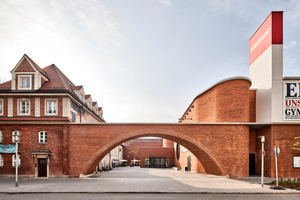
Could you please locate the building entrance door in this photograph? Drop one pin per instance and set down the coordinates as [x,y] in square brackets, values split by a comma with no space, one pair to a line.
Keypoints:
[42,167]
[157,162]
[189,163]
[251,164]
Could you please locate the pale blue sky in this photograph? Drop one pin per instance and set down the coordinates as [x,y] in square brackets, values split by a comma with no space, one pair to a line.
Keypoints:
[142,61]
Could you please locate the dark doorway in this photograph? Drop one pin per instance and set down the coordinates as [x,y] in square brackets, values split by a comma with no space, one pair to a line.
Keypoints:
[157,162]
[251,164]
[42,167]
[189,163]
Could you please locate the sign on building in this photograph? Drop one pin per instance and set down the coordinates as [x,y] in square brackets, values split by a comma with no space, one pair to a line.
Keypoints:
[291,100]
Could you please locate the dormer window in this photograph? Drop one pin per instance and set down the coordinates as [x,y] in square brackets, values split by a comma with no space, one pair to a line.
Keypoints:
[1,107]
[81,97]
[24,82]
[89,105]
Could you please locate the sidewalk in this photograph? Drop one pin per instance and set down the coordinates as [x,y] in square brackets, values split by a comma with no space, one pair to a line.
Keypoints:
[141,180]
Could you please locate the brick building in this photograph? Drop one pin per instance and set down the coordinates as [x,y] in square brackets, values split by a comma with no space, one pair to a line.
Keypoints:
[142,150]
[40,96]
[271,107]
[217,134]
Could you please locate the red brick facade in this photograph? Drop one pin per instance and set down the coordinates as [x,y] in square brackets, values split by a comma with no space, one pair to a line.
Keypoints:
[213,145]
[166,152]
[219,130]
[133,150]
[57,136]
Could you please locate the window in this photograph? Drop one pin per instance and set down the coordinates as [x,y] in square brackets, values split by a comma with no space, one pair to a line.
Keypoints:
[1,160]
[43,137]
[1,107]
[51,106]
[14,160]
[73,116]
[89,105]
[24,106]
[16,133]
[24,82]
[81,97]
[1,137]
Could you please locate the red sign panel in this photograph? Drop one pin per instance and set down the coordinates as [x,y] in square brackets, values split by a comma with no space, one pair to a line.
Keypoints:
[270,32]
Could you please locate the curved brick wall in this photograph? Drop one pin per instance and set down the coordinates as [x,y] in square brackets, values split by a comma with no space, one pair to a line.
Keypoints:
[227,101]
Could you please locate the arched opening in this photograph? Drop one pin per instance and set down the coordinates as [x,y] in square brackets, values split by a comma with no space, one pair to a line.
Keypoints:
[209,160]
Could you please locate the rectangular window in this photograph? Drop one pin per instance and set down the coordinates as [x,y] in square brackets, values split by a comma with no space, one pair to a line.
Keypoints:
[1,137]
[1,107]
[43,137]
[25,82]
[1,160]
[14,160]
[81,97]
[24,107]
[73,116]
[13,137]
[51,107]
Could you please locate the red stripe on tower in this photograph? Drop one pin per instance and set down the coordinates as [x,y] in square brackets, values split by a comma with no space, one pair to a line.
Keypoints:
[270,32]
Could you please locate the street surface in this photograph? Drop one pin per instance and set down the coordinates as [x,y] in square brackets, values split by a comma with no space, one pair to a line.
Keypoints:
[149,196]
[137,182]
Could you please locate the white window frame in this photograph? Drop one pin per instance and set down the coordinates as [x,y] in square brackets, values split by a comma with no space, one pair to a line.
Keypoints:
[13,138]
[1,160]
[47,106]
[43,137]
[1,107]
[19,107]
[14,158]
[1,137]
[20,77]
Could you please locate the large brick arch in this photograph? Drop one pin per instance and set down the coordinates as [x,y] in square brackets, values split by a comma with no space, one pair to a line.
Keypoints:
[210,161]
[221,148]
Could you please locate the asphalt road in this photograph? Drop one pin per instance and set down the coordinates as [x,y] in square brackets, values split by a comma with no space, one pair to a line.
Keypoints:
[149,196]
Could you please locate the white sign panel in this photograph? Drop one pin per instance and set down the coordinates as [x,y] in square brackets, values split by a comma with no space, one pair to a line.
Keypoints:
[291,100]
[296,162]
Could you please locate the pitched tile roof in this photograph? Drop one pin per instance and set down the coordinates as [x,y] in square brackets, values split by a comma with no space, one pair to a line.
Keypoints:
[58,81]
[76,87]
[5,85]
[36,66]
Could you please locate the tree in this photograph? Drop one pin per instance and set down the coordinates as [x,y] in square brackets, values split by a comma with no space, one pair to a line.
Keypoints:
[296,144]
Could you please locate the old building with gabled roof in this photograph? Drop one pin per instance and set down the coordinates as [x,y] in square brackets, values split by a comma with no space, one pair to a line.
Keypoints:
[38,96]
[45,92]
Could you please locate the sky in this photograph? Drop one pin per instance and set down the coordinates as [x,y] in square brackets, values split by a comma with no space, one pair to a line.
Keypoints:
[142,61]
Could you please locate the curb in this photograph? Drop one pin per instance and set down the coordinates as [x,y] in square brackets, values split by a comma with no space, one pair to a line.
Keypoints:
[291,192]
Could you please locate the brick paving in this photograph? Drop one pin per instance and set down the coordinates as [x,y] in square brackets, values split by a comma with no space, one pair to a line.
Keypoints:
[139,180]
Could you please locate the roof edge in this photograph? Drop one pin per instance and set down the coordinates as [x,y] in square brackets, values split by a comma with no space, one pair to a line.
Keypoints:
[218,83]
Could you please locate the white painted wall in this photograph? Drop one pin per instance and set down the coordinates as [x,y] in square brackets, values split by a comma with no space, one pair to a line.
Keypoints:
[266,76]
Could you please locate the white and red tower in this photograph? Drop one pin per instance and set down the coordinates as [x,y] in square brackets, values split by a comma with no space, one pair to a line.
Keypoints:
[266,68]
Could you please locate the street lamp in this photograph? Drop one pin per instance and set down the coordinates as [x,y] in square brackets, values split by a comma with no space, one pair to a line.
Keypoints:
[262,139]
[17,137]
